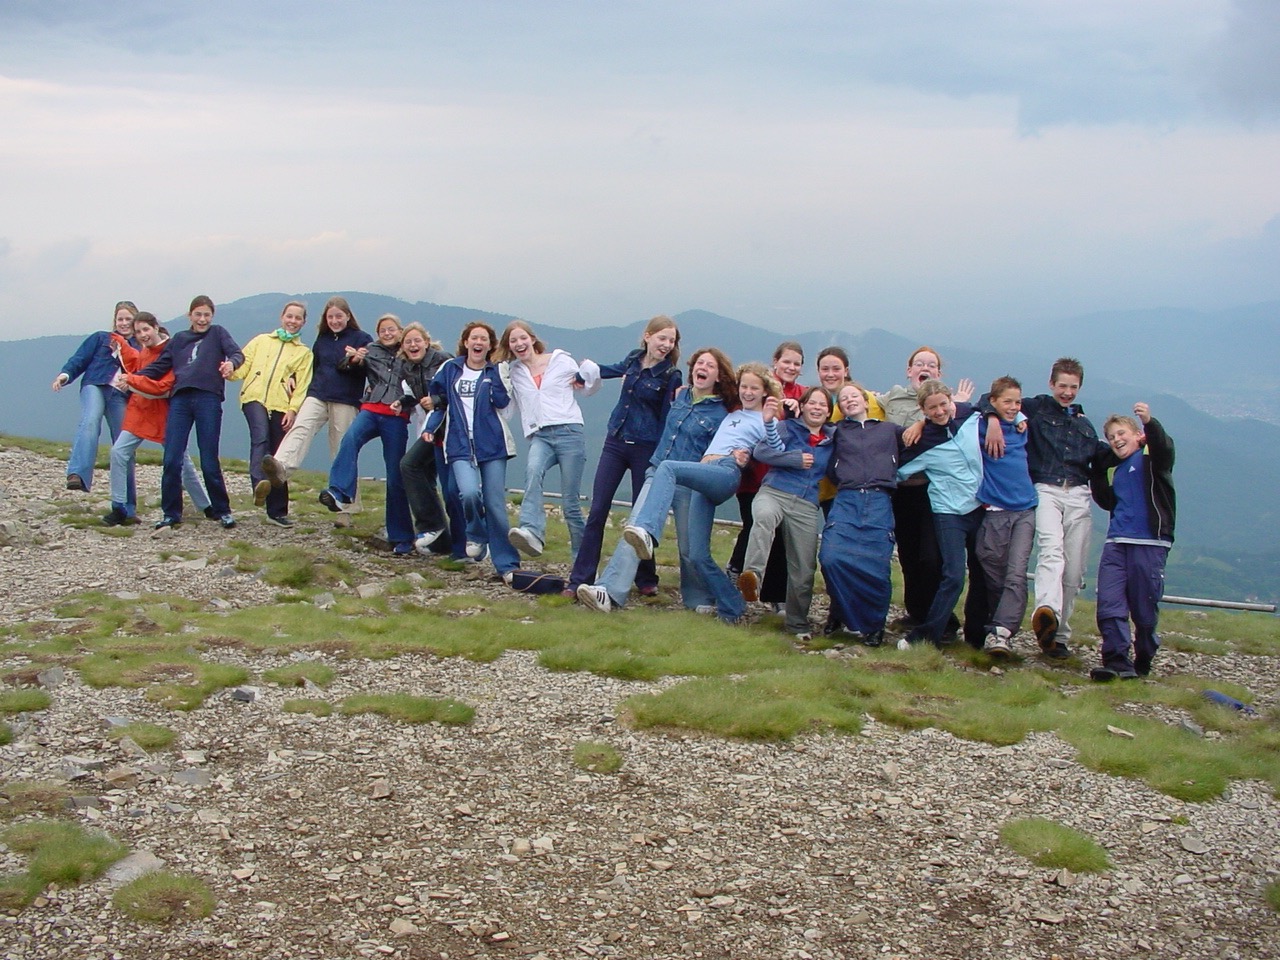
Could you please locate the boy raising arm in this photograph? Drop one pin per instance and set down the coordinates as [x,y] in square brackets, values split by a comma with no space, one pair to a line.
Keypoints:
[1133,481]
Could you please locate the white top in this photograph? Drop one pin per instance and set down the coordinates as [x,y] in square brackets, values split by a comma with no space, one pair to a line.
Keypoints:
[554,401]
[466,387]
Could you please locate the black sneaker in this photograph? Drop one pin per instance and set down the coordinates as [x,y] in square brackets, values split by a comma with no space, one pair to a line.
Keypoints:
[873,639]
[1058,651]
[1102,674]
[227,521]
[1142,666]
[281,521]
[168,523]
[330,501]
[114,517]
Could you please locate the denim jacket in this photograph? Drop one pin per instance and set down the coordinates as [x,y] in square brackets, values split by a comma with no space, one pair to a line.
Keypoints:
[689,428]
[645,399]
[784,443]
[488,438]
[94,359]
[1061,442]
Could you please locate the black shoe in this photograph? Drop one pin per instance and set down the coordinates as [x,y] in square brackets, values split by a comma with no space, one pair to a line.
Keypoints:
[227,521]
[873,639]
[1142,666]
[1102,674]
[281,521]
[114,517]
[74,482]
[210,515]
[173,522]
[330,501]
[1058,651]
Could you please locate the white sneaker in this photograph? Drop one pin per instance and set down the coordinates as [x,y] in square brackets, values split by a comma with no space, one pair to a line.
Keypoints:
[595,597]
[706,609]
[904,643]
[476,550]
[640,541]
[525,541]
[997,646]
[422,543]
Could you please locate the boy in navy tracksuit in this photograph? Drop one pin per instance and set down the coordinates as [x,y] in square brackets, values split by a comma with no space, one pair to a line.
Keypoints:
[1133,481]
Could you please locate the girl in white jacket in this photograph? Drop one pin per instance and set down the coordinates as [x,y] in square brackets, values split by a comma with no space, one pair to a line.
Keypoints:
[545,387]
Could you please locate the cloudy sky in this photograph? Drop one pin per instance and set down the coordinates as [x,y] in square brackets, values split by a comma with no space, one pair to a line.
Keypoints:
[798,165]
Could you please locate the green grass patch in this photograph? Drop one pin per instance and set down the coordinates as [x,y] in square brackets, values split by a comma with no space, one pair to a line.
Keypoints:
[6,734]
[1049,844]
[17,890]
[409,709]
[294,674]
[177,680]
[1272,895]
[162,897]
[597,757]
[23,701]
[63,852]
[317,708]
[149,736]
[21,797]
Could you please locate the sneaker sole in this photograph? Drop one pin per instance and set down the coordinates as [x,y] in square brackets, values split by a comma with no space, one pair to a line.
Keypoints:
[749,585]
[524,543]
[1044,624]
[276,474]
[636,539]
[261,490]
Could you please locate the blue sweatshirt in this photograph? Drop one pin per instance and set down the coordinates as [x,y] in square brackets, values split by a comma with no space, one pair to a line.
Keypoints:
[1006,482]
[94,359]
[194,359]
[952,460]
[330,384]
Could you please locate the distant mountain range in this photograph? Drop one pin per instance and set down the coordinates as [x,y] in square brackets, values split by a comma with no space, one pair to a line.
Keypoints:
[1188,366]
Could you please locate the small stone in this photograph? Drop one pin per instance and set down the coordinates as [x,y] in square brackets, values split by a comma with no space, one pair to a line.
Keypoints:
[192,778]
[521,847]
[324,601]
[380,790]
[197,564]
[246,694]
[244,873]
[402,928]
[1047,916]
[1064,878]
[133,866]
[53,677]
[1119,732]
[889,771]
[1193,844]
[1191,727]
[367,591]
[84,803]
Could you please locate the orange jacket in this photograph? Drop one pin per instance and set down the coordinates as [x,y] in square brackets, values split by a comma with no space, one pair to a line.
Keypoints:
[148,406]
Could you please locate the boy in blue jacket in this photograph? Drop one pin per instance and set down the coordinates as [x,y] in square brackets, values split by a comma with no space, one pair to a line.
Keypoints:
[1133,481]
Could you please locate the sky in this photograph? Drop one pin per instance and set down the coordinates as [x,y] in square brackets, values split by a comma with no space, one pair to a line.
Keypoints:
[917,165]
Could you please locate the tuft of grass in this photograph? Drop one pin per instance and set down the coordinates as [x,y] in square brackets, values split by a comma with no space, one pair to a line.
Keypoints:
[294,674]
[318,708]
[63,852]
[409,709]
[1049,844]
[32,796]
[17,890]
[23,701]
[6,734]
[1272,895]
[162,897]
[597,757]
[149,736]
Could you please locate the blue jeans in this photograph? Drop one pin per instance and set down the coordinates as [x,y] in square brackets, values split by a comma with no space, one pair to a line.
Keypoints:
[96,402]
[266,431]
[203,410]
[394,433]
[617,458]
[957,540]
[710,484]
[124,456]
[564,444]
[482,488]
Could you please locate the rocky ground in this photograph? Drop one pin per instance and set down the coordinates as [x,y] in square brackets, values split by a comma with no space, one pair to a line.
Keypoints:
[357,836]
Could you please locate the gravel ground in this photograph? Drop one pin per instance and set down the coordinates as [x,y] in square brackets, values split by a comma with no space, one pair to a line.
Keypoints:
[357,836]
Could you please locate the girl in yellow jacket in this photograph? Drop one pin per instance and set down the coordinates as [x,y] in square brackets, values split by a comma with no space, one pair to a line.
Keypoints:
[276,373]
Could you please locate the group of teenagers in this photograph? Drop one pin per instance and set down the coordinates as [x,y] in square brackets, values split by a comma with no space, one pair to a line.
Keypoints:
[831,474]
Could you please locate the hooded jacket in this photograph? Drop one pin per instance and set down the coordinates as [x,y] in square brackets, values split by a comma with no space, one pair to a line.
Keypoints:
[276,373]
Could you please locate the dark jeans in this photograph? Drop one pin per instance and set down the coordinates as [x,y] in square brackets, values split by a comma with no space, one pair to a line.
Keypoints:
[203,410]
[266,430]
[1130,587]
[917,549]
[455,542]
[418,470]
[957,542]
[616,458]
[773,586]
